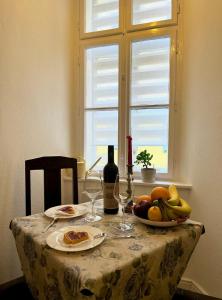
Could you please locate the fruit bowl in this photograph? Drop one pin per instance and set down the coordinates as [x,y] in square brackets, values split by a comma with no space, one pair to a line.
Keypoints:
[162,208]
[157,223]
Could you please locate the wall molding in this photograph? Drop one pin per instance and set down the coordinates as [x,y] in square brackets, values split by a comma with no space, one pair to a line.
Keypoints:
[11,283]
[191,285]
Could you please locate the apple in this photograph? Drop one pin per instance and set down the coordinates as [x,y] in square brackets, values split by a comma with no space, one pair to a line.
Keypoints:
[140,198]
[141,209]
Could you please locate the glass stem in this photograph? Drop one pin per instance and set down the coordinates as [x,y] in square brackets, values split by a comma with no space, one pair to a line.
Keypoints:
[123,216]
[93,202]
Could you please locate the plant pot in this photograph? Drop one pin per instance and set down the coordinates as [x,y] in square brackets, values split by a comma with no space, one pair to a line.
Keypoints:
[148,174]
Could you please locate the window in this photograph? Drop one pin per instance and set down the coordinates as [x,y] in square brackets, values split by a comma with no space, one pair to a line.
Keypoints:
[101,99]
[101,15]
[144,11]
[127,79]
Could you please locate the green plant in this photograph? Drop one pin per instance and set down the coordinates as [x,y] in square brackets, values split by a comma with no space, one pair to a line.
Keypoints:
[144,159]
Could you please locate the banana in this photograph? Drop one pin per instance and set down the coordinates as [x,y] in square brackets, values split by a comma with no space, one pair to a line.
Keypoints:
[181,210]
[163,209]
[174,195]
[171,214]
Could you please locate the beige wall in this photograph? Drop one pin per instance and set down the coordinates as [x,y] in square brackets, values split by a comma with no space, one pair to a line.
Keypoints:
[200,135]
[36,92]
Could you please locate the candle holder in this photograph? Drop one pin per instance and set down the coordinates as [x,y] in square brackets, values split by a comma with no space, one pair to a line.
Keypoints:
[129,205]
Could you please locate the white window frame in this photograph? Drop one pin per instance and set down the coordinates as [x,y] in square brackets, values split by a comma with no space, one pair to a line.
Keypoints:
[145,35]
[116,36]
[86,44]
[135,27]
[109,32]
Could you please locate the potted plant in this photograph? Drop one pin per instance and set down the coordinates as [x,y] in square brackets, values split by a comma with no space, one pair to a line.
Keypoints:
[144,158]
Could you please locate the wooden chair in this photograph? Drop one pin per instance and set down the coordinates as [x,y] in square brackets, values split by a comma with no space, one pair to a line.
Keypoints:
[52,166]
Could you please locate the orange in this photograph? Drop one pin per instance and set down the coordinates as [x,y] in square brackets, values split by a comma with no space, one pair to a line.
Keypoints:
[154,213]
[140,198]
[160,192]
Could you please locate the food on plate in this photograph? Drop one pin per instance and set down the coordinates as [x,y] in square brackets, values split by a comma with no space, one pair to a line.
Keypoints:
[154,213]
[160,192]
[174,195]
[183,209]
[165,205]
[75,237]
[141,209]
[140,198]
[68,209]
[155,203]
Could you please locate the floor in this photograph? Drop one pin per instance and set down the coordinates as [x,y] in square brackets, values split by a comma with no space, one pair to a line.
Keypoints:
[188,295]
[22,290]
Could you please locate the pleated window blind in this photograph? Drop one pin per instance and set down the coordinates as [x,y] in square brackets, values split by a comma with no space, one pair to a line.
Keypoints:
[128,80]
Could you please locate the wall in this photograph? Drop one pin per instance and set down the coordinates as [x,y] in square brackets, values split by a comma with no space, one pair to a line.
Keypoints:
[36,92]
[200,135]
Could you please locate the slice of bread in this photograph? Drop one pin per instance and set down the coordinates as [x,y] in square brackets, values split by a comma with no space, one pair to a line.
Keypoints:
[68,209]
[75,237]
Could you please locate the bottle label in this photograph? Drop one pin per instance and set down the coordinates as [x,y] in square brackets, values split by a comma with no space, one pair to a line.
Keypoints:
[109,201]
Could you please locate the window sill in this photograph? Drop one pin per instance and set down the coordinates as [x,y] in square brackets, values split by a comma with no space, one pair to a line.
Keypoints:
[179,185]
[138,182]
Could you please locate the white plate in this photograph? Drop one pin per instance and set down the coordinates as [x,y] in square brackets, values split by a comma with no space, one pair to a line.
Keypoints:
[52,212]
[157,224]
[55,239]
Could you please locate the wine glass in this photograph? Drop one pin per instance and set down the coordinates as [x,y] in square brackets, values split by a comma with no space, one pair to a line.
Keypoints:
[93,188]
[123,193]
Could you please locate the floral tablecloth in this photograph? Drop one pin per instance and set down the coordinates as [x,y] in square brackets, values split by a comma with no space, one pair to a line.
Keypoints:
[147,267]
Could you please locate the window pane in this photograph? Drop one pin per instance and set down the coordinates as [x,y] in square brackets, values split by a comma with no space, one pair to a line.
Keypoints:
[101,15]
[147,11]
[149,129]
[150,72]
[101,130]
[101,76]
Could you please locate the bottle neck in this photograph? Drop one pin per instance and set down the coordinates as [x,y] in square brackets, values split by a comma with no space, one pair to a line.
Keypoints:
[111,154]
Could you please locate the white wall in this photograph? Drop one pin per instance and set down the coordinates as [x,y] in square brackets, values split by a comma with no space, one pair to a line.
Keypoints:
[36,101]
[200,135]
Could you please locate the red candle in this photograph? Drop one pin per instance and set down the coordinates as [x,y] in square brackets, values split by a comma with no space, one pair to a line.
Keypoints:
[129,150]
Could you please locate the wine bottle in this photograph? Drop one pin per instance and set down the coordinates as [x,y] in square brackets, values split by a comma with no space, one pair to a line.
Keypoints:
[111,205]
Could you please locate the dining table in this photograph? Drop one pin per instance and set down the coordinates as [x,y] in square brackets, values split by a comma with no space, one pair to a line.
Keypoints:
[147,263]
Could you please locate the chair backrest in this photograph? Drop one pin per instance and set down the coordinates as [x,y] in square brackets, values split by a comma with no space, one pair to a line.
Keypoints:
[52,166]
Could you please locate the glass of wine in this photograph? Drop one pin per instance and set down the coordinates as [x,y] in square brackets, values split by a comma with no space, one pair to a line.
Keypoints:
[123,193]
[93,189]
